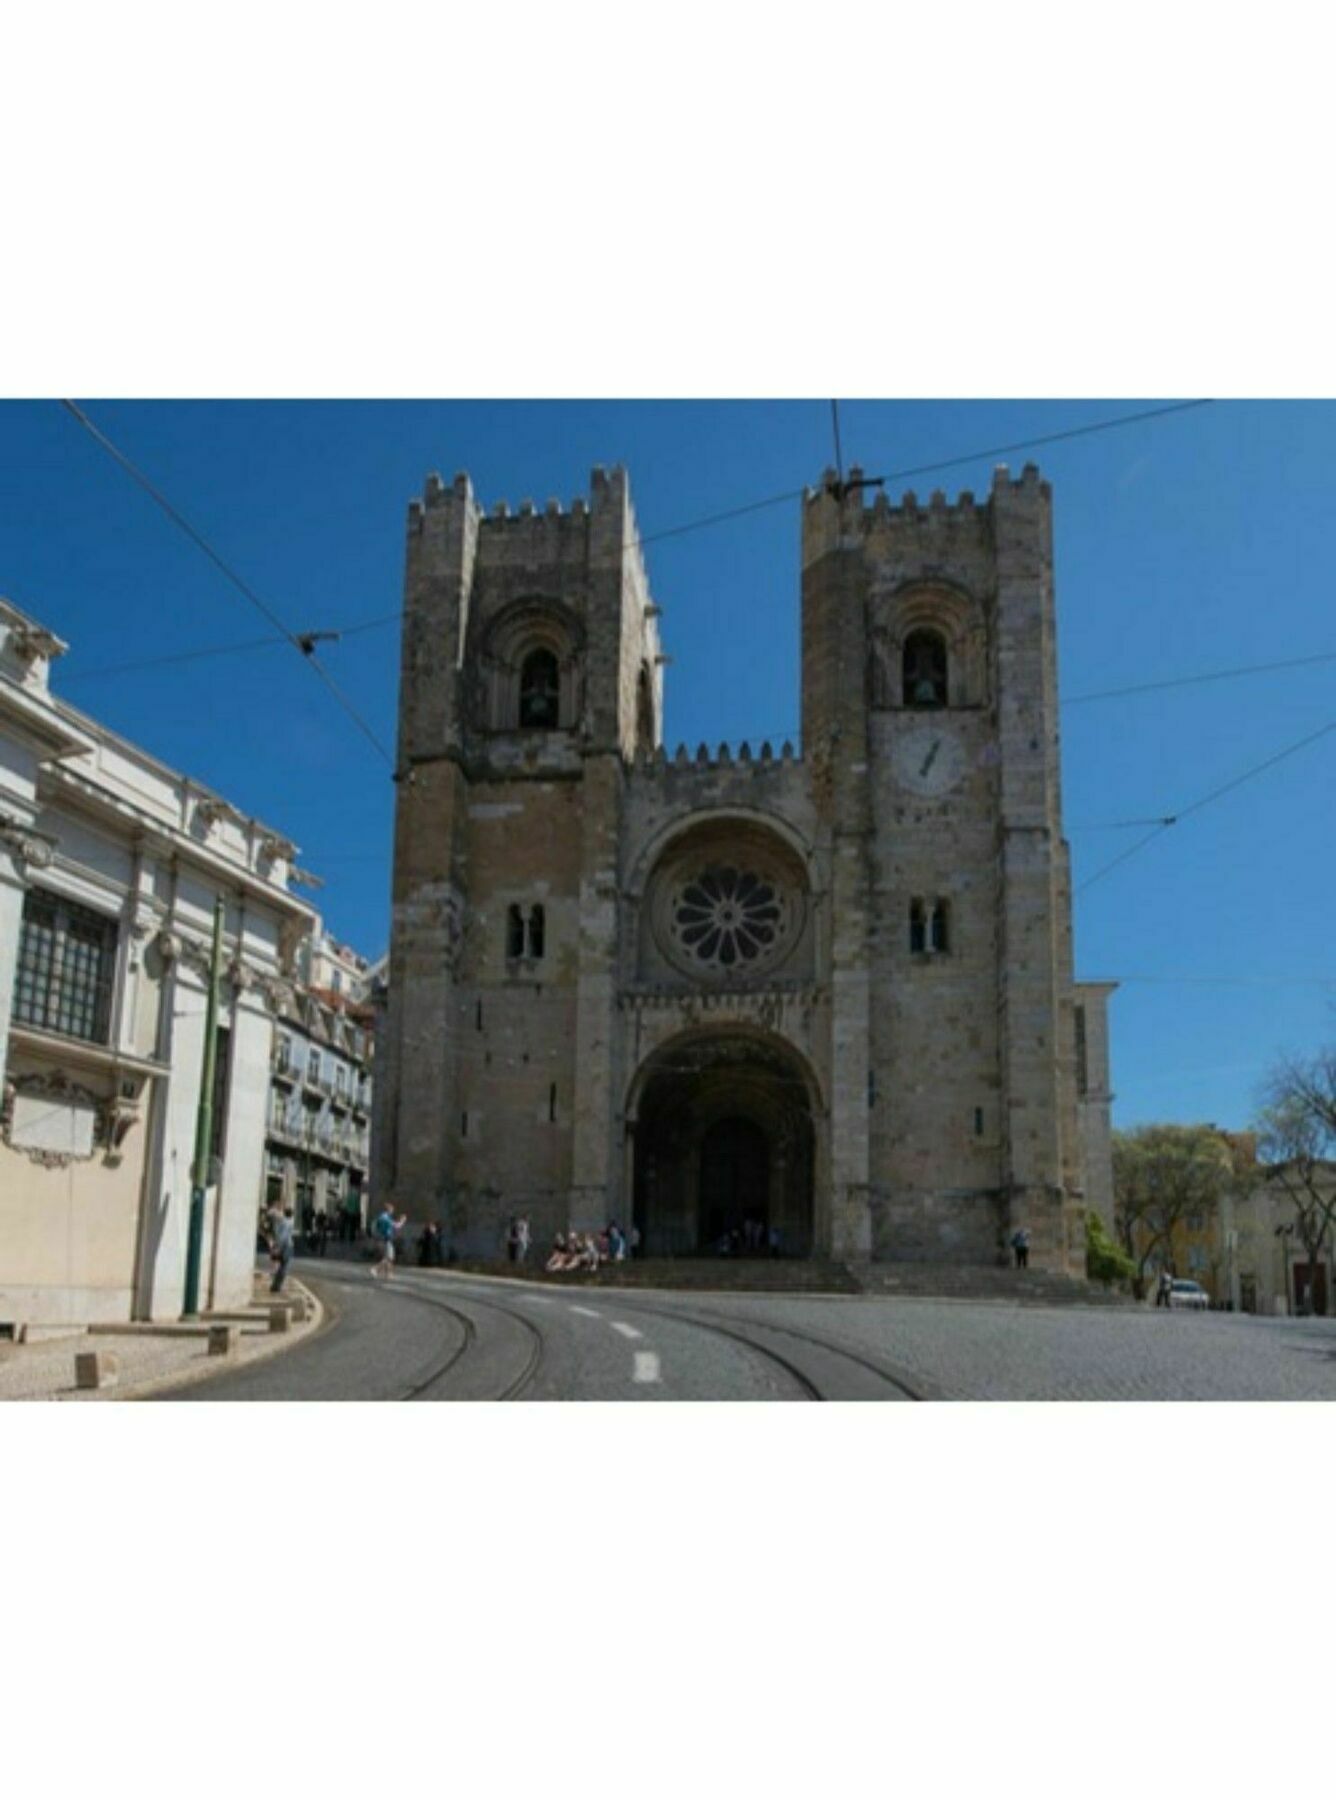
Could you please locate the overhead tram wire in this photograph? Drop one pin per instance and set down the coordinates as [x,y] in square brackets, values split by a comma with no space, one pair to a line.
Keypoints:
[950,462]
[302,643]
[1151,687]
[1227,787]
[264,643]
[653,537]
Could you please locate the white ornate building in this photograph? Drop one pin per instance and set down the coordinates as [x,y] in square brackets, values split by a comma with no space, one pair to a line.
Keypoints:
[110,865]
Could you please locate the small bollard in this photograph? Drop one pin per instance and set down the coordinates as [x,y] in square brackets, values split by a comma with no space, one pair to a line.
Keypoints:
[223,1339]
[96,1368]
[301,1309]
[280,1319]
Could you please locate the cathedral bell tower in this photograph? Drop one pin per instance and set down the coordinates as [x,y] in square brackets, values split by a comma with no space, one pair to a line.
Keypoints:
[530,677]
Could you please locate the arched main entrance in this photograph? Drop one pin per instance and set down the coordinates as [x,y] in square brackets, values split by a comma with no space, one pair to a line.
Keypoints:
[723,1147]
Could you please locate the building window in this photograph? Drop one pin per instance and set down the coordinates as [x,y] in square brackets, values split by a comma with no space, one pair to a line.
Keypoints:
[1082,1071]
[67,955]
[924,669]
[340,1081]
[514,934]
[222,1073]
[525,937]
[929,927]
[313,1064]
[729,917]
[540,691]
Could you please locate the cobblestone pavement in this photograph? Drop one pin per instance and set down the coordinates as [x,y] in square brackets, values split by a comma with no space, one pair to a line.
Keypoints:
[967,1350]
[45,1370]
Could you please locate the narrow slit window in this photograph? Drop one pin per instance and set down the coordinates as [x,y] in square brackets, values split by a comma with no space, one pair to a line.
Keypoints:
[918,927]
[514,932]
[537,931]
[940,936]
[477,1017]
[552,1104]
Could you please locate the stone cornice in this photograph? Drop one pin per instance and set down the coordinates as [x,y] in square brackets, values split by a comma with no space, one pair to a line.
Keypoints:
[168,841]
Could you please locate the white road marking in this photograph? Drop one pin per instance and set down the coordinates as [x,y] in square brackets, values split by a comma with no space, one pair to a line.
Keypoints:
[627,1331]
[647,1366]
[540,1299]
[585,1313]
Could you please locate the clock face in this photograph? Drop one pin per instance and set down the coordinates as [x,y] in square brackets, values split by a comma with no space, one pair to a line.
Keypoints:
[929,760]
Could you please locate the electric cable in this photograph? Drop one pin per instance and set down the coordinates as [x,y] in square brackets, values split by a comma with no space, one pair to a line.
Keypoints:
[304,648]
[700,524]
[1227,787]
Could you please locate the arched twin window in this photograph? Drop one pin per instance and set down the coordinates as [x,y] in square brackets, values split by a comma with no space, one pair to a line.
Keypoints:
[525,937]
[925,670]
[540,691]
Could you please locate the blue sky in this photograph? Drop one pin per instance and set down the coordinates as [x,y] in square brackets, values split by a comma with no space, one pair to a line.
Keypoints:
[1184,545]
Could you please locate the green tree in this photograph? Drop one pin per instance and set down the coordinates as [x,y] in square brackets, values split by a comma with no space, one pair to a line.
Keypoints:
[1161,1174]
[1296,1143]
[1106,1260]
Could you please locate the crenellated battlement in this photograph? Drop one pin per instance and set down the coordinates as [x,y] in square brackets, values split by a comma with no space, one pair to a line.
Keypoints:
[727,759]
[551,533]
[831,517]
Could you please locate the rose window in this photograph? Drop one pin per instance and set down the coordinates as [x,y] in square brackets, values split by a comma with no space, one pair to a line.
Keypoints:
[729,918]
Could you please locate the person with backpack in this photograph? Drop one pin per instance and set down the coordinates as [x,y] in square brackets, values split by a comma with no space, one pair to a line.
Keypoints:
[1020,1243]
[385,1229]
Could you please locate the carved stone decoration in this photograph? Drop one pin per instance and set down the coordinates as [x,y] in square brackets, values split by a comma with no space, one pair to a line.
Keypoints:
[195,953]
[34,848]
[169,945]
[56,1104]
[118,1115]
[278,995]
[242,977]
[32,642]
[274,848]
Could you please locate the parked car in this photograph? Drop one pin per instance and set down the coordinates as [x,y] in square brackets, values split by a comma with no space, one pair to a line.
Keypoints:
[1190,1294]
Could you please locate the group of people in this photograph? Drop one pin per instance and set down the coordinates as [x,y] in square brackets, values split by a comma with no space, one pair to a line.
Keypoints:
[573,1250]
[752,1238]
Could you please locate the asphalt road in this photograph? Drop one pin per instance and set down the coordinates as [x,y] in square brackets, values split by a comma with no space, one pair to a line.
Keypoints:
[435,1335]
[429,1335]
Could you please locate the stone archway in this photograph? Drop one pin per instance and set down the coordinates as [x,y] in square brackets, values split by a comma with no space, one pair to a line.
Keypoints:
[723,1135]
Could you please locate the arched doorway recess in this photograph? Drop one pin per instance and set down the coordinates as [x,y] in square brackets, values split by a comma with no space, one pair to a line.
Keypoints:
[724,1147]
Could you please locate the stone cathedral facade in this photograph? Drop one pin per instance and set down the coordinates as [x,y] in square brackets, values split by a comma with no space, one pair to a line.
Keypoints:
[830,992]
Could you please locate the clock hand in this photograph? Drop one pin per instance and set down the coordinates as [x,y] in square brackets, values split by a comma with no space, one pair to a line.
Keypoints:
[930,758]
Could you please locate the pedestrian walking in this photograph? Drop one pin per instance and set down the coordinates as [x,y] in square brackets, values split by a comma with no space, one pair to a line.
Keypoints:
[522,1237]
[1163,1288]
[280,1249]
[385,1229]
[1020,1244]
[635,1240]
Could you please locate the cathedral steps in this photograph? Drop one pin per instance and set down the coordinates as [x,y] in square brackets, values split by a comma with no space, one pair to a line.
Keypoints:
[940,1281]
[764,1275]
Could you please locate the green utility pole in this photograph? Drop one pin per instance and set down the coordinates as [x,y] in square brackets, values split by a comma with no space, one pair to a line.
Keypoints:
[199,1173]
